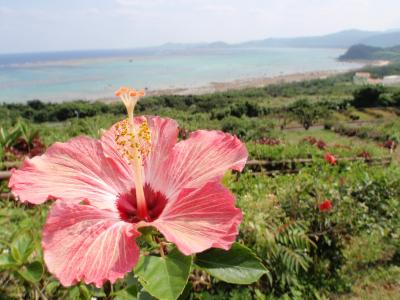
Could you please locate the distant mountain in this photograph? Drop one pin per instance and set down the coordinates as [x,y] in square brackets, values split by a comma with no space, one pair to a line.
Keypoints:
[364,52]
[342,39]
[388,39]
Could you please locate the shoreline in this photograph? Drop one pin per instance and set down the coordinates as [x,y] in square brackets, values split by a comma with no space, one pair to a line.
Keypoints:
[240,84]
[224,86]
[255,82]
[366,62]
[258,82]
[244,83]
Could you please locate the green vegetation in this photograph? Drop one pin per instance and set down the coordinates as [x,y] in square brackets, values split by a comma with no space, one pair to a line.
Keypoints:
[376,96]
[387,133]
[350,250]
[364,52]
[312,144]
[379,72]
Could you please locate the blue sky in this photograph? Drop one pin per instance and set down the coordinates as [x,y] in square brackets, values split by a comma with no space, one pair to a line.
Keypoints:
[47,25]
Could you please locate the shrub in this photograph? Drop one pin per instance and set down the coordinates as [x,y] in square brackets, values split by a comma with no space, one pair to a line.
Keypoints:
[306,113]
[368,96]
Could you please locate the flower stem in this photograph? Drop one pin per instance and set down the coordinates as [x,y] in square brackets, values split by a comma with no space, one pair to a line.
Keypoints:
[162,253]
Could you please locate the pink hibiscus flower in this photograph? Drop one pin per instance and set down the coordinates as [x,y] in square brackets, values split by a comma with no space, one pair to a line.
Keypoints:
[136,175]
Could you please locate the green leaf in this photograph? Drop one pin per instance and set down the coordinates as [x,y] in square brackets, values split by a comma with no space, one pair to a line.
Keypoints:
[6,261]
[32,272]
[74,293]
[143,295]
[239,265]
[96,292]
[21,247]
[84,292]
[129,293]
[164,277]
[51,287]
[186,292]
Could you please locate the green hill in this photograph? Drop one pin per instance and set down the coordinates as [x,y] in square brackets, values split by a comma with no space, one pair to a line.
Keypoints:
[364,52]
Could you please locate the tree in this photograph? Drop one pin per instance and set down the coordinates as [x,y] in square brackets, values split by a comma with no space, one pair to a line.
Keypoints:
[306,113]
[368,96]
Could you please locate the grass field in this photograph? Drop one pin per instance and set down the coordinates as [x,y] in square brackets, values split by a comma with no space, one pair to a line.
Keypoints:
[351,251]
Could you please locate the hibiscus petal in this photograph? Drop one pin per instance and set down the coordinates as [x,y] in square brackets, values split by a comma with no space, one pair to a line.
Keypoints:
[75,171]
[204,157]
[164,135]
[201,219]
[82,242]
[110,146]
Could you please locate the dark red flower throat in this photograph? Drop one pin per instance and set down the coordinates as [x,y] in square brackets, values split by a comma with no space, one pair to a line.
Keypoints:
[127,205]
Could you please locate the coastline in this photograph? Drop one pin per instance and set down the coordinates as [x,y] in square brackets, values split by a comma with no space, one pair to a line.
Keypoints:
[238,84]
[256,82]
[374,63]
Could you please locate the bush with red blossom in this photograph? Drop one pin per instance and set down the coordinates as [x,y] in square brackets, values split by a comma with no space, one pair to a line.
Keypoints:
[19,142]
[268,141]
[23,148]
[365,155]
[330,158]
[310,139]
[321,145]
[390,144]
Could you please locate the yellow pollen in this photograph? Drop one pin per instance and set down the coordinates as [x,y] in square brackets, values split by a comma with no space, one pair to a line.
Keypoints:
[129,142]
[134,142]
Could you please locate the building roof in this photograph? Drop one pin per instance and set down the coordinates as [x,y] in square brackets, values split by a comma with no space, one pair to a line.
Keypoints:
[363,74]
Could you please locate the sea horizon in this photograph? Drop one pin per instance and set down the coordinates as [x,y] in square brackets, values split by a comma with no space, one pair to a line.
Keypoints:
[95,74]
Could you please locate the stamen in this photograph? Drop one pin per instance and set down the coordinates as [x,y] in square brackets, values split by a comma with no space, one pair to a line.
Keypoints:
[134,146]
[127,142]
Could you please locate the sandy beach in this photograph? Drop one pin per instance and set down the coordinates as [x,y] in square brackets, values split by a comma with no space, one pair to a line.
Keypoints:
[245,83]
[239,84]
[259,82]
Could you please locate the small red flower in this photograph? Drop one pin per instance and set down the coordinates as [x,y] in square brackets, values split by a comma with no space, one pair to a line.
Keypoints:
[325,206]
[330,159]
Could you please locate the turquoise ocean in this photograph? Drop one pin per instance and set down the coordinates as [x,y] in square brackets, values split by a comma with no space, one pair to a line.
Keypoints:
[61,76]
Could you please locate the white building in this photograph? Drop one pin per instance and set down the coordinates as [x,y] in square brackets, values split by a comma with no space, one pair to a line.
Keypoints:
[361,78]
[391,80]
[365,78]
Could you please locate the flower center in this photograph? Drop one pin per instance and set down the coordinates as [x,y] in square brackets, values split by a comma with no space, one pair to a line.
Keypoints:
[127,205]
[134,145]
